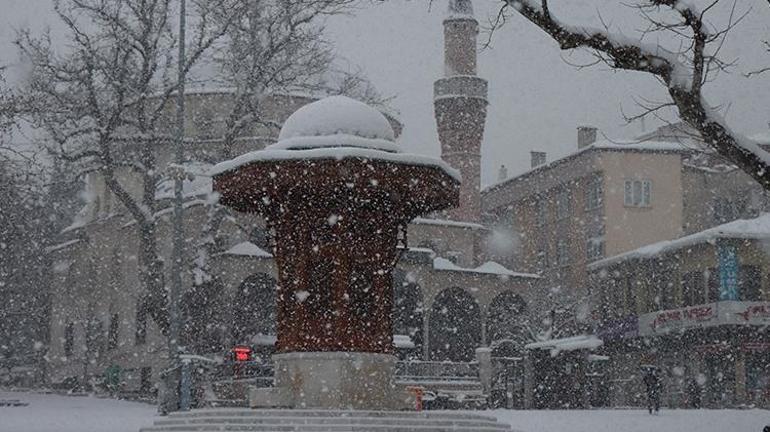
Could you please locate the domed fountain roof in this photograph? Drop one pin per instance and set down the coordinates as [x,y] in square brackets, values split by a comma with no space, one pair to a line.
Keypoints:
[336,121]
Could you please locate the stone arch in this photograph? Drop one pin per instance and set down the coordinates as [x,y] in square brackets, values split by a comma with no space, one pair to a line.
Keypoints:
[454,326]
[506,323]
[253,310]
[408,310]
[203,313]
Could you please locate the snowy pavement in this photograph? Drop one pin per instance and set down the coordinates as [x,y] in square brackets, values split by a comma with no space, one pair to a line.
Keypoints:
[636,420]
[52,413]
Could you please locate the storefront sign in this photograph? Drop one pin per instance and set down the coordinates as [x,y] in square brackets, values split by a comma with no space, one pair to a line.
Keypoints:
[622,328]
[707,315]
[728,272]
[679,318]
[758,313]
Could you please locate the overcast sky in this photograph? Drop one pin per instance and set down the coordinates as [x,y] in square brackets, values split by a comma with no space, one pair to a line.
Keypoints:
[536,98]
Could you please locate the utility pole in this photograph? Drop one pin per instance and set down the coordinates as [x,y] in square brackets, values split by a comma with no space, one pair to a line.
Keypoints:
[173,398]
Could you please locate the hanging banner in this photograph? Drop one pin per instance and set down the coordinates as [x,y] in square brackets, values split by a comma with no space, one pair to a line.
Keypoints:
[728,272]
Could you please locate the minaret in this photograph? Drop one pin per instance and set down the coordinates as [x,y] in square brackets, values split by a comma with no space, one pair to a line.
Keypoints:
[460,102]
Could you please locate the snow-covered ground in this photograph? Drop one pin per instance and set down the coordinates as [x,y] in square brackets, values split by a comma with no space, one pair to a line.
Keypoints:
[636,420]
[52,413]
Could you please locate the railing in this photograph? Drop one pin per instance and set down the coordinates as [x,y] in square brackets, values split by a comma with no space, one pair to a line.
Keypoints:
[426,370]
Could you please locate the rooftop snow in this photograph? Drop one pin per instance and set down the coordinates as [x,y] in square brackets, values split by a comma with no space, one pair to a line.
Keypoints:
[757,228]
[323,123]
[337,153]
[489,267]
[197,182]
[336,127]
[446,222]
[589,342]
[61,246]
[403,341]
[636,146]
[248,249]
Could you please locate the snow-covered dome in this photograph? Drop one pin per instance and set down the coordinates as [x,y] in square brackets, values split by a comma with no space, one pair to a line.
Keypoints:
[336,121]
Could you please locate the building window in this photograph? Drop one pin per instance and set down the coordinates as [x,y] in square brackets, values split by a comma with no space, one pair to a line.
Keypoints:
[563,204]
[712,277]
[750,283]
[145,380]
[69,339]
[692,288]
[140,333]
[541,212]
[562,253]
[595,248]
[637,193]
[665,296]
[594,193]
[112,334]
[542,258]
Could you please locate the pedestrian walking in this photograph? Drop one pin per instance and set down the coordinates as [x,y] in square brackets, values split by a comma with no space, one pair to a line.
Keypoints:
[651,379]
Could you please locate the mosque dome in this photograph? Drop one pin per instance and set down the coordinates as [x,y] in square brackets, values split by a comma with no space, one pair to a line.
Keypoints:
[336,121]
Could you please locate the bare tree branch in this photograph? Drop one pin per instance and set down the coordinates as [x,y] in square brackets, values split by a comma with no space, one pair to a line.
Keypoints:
[684,82]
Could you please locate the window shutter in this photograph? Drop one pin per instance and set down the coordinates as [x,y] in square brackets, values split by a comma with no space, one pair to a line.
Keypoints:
[628,193]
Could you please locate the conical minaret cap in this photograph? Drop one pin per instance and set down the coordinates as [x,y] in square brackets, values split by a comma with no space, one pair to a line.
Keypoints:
[460,9]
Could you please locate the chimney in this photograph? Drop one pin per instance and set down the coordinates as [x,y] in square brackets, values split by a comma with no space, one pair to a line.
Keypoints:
[537,158]
[502,175]
[586,136]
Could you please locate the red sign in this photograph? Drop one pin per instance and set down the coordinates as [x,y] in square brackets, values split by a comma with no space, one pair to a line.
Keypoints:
[761,311]
[689,315]
[242,353]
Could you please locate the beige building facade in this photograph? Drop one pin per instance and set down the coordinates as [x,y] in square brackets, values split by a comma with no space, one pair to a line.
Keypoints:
[450,298]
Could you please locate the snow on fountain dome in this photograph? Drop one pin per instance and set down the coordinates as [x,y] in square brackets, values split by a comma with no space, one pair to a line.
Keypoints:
[336,121]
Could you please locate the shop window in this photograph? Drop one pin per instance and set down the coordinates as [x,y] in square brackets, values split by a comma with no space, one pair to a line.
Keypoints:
[750,283]
[757,373]
[692,288]
[664,298]
[713,284]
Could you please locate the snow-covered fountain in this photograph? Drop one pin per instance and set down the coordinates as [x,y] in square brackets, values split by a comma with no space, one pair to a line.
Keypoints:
[338,193]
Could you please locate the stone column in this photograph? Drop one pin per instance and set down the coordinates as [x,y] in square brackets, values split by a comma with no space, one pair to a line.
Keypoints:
[484,358]
[528,381]
[483,316]
[426,335]
[740,376]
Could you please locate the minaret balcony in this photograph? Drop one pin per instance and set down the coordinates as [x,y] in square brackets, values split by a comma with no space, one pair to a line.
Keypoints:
[469,86]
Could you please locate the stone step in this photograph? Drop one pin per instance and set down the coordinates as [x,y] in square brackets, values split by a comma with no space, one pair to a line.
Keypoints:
[276,420]
[315,428]
[377,421]
[234,412]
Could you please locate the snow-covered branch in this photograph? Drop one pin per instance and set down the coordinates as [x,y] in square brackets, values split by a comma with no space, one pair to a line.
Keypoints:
[684,73]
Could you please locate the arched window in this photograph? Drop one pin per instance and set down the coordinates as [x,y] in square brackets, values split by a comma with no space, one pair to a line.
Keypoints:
[506,324]
[455,326]
[408,311]
[203,311]
[253,308]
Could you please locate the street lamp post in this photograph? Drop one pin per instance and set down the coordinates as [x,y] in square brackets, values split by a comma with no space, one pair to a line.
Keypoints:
[173,401]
